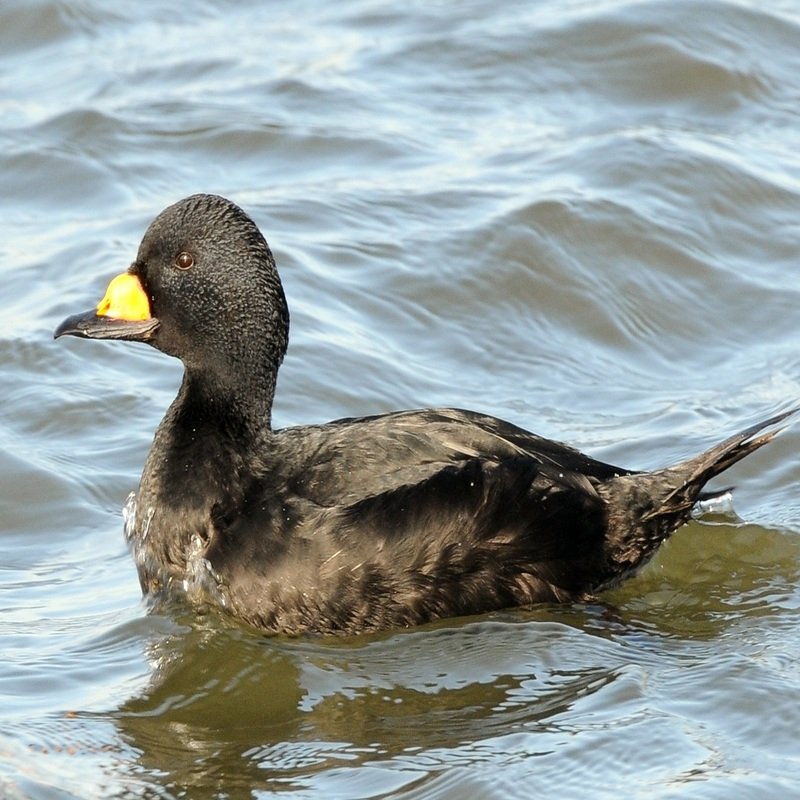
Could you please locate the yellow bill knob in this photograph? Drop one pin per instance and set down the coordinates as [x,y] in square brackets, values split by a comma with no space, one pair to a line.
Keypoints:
[124,299]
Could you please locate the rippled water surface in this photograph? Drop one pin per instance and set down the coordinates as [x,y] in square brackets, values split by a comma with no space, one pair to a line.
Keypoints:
[579,216]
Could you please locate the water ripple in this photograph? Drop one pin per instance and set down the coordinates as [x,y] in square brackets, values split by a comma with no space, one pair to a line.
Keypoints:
[578,216]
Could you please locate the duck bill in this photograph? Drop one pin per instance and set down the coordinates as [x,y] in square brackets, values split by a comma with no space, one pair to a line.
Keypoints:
[89,325]
[123,313]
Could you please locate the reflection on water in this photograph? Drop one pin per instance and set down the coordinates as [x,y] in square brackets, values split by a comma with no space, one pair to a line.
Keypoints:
[341,707]
[578,217]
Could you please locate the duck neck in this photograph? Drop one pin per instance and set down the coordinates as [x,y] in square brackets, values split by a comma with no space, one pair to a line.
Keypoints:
[237,407]
[212,437]
[206,451]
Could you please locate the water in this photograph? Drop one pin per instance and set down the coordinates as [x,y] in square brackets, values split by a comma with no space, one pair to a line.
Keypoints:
[579,216]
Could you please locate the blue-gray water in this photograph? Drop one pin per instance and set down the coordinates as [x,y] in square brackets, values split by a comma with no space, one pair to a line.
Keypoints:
[579,216]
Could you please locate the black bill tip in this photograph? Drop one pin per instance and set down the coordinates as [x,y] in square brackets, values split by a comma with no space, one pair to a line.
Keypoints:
[88,325]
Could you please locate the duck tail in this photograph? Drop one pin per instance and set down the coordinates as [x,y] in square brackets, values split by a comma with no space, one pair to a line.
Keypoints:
[688,478]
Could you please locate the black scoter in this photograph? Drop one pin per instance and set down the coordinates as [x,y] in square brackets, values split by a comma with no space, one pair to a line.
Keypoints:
[359,524]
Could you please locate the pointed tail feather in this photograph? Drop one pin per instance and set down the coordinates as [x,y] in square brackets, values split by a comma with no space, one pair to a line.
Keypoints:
[696,472]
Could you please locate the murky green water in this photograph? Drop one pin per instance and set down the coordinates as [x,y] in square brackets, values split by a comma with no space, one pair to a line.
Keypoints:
[579,216]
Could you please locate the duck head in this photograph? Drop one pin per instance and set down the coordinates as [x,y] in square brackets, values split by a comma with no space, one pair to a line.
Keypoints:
[203,288]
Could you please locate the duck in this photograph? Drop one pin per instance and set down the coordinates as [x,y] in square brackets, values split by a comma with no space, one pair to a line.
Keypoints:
[361,524]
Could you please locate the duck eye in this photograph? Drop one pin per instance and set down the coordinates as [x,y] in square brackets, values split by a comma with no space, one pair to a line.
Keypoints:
[184,260]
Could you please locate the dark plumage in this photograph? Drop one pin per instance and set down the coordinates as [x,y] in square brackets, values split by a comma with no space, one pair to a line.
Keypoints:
[359,524]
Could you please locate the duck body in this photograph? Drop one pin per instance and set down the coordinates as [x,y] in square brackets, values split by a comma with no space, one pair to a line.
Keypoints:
[359,524]
[377,522]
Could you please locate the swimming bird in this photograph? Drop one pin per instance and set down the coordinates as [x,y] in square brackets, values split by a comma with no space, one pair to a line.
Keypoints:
[359,524]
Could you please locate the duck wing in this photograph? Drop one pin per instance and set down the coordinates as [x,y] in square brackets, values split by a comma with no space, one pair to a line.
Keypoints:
[357,457]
